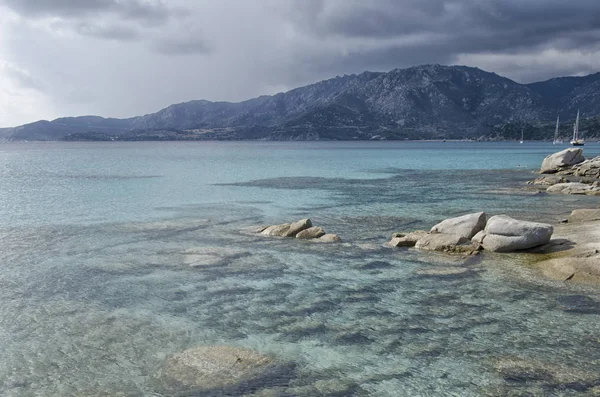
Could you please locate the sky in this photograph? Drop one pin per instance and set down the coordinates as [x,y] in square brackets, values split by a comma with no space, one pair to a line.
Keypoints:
[123,58]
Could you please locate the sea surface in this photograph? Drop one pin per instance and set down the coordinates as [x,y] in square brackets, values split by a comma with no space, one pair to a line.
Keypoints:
[114,256]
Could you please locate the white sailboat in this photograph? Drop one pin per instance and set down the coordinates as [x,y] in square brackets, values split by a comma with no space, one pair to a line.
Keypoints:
[556,140]
[576,141]
[521,141]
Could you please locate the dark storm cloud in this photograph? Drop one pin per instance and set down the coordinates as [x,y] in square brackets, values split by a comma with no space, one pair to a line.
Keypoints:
[385,34]
[151,12]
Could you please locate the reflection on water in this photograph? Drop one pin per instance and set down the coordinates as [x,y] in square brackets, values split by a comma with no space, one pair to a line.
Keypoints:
[94,308]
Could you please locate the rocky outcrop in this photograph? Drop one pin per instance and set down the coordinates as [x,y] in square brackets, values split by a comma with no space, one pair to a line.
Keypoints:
[406,240]
[505,234]
[549,180]
[302,229]
[570,173]
[212,369]
[450,243]
[589,168]
[575,188]
[562,160]
[464,226]
[311,232]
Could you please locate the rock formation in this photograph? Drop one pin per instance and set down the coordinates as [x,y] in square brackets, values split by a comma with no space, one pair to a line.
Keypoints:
[302,229]
[505,234]
[562,160]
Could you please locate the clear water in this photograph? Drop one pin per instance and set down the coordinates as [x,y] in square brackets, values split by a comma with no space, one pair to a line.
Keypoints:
[96,287]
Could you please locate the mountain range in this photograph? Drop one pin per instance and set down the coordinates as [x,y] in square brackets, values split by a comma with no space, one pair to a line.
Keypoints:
[421,102]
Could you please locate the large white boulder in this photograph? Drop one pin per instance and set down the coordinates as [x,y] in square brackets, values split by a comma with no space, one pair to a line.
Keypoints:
[505,234]
[565,158]
[465,226]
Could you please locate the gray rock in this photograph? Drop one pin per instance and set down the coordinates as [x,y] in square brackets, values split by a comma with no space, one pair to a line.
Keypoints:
[589,168]
[563,159]
[549,180]
[572,188]
[584,215]
[406,240]
[329,238]
[465,226]
[210,368]
[451,243]
[505,234]
[311,232]
[297,227]
[277,230]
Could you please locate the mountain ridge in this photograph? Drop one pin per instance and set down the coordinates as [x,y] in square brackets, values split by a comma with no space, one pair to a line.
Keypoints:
[420,102]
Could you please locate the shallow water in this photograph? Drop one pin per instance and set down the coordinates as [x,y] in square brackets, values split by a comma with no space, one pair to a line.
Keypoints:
[105,270]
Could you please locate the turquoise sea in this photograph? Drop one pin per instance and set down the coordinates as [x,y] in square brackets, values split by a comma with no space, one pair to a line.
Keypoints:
[115,255]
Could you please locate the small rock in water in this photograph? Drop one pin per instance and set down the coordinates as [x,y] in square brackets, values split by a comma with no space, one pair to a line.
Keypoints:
[277,230]
[311,232]
[329,238]
[297,227]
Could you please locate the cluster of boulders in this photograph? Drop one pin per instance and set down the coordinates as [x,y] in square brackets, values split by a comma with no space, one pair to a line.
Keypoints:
[568,172]
[472,232]
[302,229]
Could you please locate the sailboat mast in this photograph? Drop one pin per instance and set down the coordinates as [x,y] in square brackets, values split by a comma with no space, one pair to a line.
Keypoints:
[577,126]
[556,131]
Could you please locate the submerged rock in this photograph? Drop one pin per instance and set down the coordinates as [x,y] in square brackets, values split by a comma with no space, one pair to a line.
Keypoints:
[443,271]
[213,369]
[584,268]
[329,238]
[505,234]
[561,160]
[465,226]
[311,232]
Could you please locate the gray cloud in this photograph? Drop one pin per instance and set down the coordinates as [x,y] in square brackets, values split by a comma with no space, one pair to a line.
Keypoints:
[145,11]
[111,32]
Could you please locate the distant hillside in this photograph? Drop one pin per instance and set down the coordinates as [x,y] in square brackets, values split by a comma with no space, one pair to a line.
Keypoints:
[422,102]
